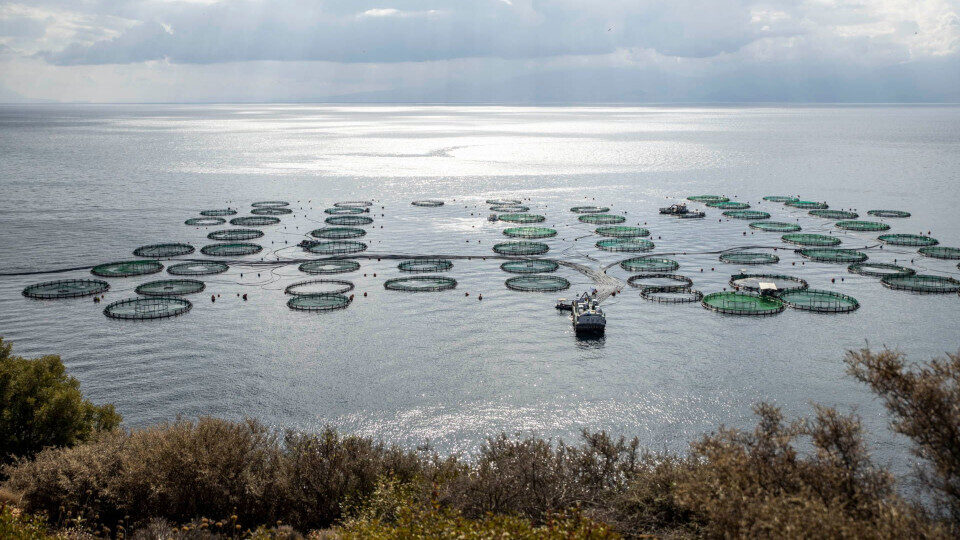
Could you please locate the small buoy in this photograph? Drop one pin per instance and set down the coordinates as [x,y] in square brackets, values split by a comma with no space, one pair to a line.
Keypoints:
[833,280]
[96,299]
[213,298]
[479,297]
[244,297]
[374,275]
[351,297]
[364,293]
[466,294]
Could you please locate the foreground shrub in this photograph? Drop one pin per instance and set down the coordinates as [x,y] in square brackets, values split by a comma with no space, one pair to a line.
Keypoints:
[17,526]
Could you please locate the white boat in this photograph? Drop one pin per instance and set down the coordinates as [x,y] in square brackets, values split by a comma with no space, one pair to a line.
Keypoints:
[587,316]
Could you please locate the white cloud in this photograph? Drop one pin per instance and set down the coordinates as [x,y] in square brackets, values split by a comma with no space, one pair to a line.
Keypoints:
[381,12]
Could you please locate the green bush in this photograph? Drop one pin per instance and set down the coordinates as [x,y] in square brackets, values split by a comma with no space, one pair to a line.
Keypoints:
[16,526]
[41,406]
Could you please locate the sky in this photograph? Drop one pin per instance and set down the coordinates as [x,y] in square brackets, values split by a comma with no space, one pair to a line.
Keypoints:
[480,51]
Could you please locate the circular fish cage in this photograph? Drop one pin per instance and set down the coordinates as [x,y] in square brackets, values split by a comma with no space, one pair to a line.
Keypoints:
[664,282]
[163,251]
[344,210]
[349,221]
[775,226]
[834,214]
[808,205]
[819,301]
[729,205]
[922,283]
[205,221]
[679,296]
[218,212]
[780,198]
[319,286]
[255,221]
[590,209]
[504,202]
[329,266]
[264,204]
[751,282]
[629,245]
[912,240]
[734,303]
[429,203]
[529,232]
[889,213]
[833,255]
[748,257]
[271,211]
[537,283]
[521,218]
[621,231]
[336,247]
[126,269]
[147,308]
[420,284]
[509,208]
[808,239]
[880,270]
[65,288]
[318,302]
[870,226]
[233,235]
[649,264]
[602,219]
[198,268]
[231,249]
[360,204]
[530,266]
[940,252]
[170,287]
[521,248]
[746,214]
[337,233]
[425,265]
[708,198]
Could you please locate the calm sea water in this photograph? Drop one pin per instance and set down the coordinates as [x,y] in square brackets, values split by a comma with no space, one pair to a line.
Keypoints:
[84,185]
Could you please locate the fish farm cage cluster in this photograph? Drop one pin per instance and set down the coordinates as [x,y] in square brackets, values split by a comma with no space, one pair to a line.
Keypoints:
[537,283]
[833,255]
[319,286]
[632,244]
[147,308]
[235,235]
[170,287]
[834,214]
[337,233]
[218,213]
[589,209]
[649,264]
[198,268]
[425,265]
[737,303]
[231,249]
[335,247]
[521,248]
[430,203]
[748,258]
[621,231]
[66,288]
[530,266]
[420,284]
[327,266]
[746,214]
[268,211]
[602,219]
[163,251]
[775,226]
[530,232]
[521,218]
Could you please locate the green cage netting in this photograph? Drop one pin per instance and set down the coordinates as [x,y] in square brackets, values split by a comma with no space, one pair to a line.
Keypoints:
[319,286]
[521,248]
[780,198]
[231,249]
[808,205]
[337,233]
[522,218]
[809,239]
[509,208]
[344,210]
[65,288]
[602,219]
[912,240]
[667,296]
[147,308]
[233,235]
[420,284]
[329,266]
[255,221]
[818,300]
[425,265]
[504,201]
[349,221]
[530,266]
[170,287]
[833,255]
[649,264]
[708,198]
[629,245]
[529,232]
[747,257]
[834,214]
[318,302]
[263,204]
[537,283]
[429,203]
[197,268]
[205,221]
[361,204]
[163,251]
[775,226]
[734,303]
[336,247]
[218,212]
[871,226]
[940,252]
[922,283]
[127,268]
[690,215]
[753,282]
[663,281]
[729,205]
[746,214]
[271,211]
[889,213]
[590,209]
[621,231]
[880,269]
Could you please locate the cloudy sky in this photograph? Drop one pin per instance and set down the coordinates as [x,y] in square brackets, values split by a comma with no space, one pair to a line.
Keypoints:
[511,51]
